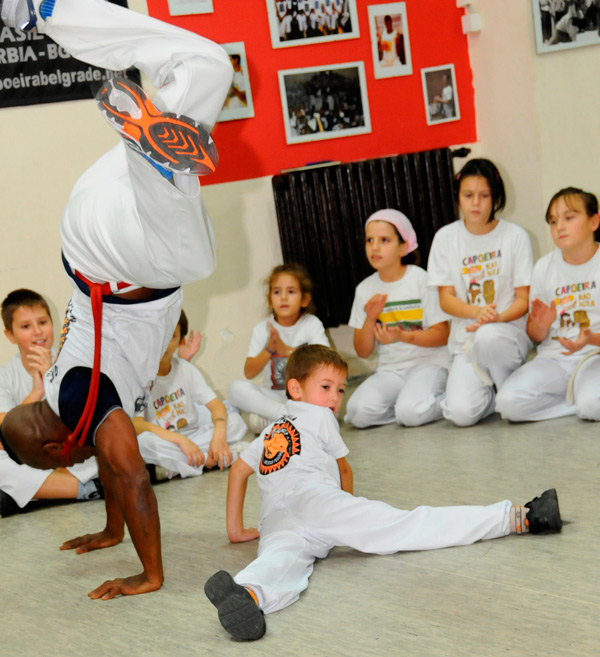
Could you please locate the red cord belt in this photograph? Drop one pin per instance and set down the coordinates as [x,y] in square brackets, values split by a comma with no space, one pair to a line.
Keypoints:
[97,292]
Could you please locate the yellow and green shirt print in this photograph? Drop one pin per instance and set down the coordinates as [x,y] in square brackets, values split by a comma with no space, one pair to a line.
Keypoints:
[407,314]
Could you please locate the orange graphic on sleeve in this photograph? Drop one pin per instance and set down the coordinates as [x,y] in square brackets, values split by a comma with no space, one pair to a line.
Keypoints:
[282,442]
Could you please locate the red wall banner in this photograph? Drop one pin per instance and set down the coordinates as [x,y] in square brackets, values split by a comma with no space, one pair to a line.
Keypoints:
[254,147]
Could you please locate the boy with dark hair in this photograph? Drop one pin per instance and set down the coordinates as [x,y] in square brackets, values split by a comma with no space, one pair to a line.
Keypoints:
[28,324]
[307,506]
[186,428]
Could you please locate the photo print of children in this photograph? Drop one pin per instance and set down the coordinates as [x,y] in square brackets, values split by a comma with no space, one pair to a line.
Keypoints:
[323,102]
[303,22]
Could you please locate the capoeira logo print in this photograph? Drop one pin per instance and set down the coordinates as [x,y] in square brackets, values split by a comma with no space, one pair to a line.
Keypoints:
[64,332]
[282,442]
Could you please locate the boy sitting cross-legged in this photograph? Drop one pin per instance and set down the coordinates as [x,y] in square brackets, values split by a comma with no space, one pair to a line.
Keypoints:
[307,506]
[186,428]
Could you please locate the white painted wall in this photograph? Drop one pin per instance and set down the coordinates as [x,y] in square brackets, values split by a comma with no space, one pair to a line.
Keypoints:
[537,118]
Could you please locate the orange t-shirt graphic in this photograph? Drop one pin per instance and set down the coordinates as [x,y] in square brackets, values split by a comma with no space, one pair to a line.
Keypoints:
[280,444]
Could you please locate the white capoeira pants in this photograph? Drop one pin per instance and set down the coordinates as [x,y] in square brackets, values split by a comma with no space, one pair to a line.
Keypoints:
[22,482]
[315,518]
[124,222]
[252,398]
[410,397]
[168,455]
[538,390]
[495,352]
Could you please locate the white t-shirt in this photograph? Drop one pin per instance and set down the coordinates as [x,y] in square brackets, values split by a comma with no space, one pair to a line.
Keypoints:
[172,397]
[411,305]
[307,330]
[575,291]
[483,269]
[387,41]
[15,383]
[303,445]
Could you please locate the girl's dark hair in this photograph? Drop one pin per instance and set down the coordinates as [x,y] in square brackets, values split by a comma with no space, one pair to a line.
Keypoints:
[183,324]
[488,170]
[589,200]
[301,275]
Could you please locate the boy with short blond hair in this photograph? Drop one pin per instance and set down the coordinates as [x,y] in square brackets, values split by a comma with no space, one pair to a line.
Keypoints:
[307,506]
[28,325]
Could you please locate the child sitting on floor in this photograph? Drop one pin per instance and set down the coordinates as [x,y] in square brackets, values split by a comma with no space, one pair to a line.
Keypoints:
[28,324]
[273,339]
[185,428]
[307,506]
[564,377]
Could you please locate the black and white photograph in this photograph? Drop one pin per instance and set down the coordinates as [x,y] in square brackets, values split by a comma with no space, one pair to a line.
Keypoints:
[238,104]
[439,92]
[324,102]
[389,40]
[304,22]
[565,24]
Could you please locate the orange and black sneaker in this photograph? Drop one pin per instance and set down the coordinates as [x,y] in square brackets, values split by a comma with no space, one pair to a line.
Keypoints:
[173,141]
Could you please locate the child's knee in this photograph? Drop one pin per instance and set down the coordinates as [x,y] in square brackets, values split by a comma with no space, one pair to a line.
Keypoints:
[589,408]
[236,390]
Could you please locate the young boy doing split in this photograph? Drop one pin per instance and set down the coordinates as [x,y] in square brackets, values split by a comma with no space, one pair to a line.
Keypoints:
[307,506]
[134,230]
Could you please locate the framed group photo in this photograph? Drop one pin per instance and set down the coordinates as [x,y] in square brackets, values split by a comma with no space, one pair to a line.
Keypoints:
[439,92]
[389,40]
[324,102]
[304,22]
[565,24]
[238,104]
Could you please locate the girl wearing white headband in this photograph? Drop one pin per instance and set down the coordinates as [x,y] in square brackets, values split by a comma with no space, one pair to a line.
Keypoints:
[397,315]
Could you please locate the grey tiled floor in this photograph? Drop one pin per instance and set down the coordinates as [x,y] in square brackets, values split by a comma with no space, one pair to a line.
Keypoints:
[516,595]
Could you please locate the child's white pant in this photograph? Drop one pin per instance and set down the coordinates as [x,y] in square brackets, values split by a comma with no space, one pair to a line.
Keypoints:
[538,390]
[497,350]
[124,221]
[316,517]
[252,398]
[169,456]
[22,482]
[411,397]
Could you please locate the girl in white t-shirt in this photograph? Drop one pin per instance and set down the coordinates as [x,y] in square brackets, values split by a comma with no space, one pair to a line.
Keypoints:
[395,314]
[290,325]
[481,266]
[564,377]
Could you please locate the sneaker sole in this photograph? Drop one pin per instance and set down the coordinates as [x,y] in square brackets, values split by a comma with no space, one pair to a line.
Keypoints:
[548,506]
[176,142]
[238,612]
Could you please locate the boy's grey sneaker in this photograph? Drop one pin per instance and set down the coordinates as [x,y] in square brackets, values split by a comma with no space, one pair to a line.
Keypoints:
[238,612]
[544,514]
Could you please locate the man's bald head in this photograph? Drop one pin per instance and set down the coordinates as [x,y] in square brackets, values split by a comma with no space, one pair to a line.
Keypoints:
[35,435]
